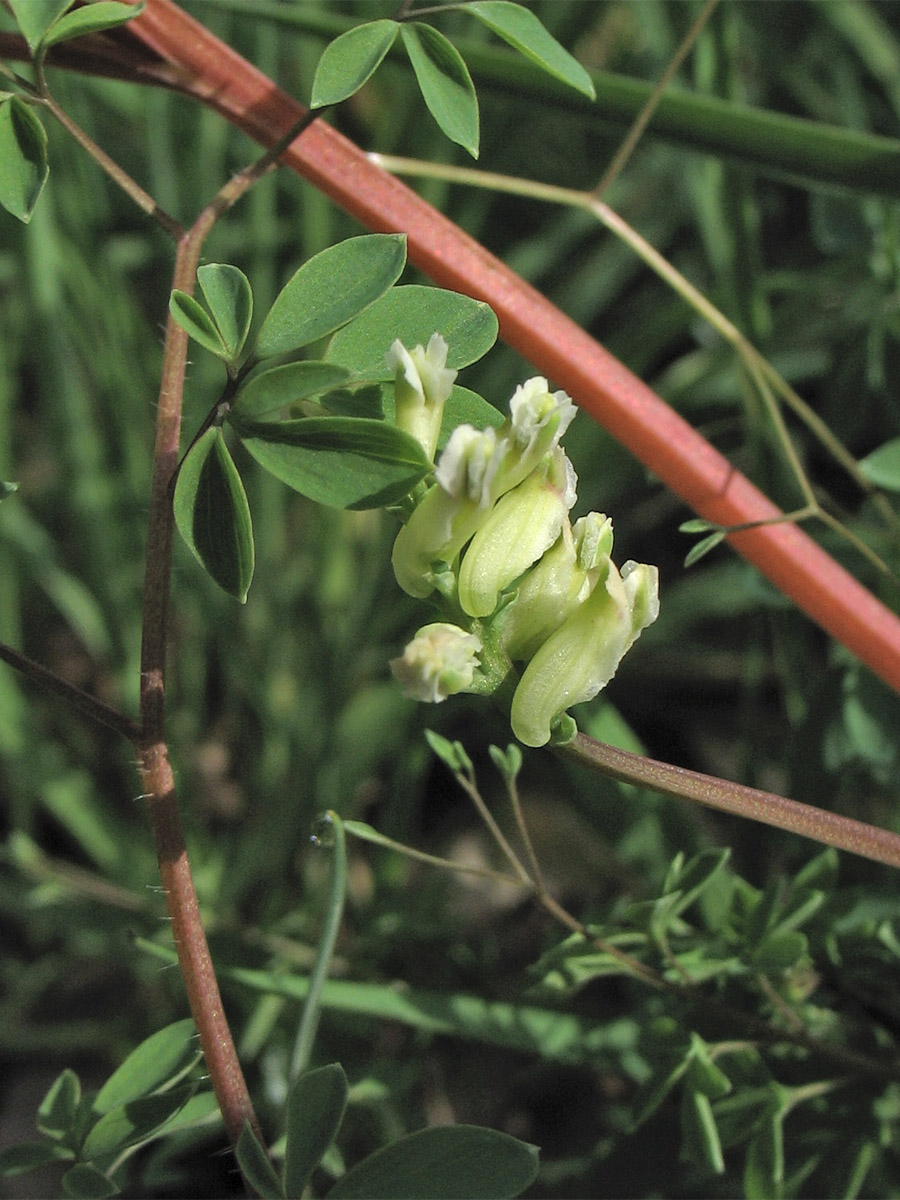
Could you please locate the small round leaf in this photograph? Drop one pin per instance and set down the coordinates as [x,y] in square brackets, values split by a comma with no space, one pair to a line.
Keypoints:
[227,292]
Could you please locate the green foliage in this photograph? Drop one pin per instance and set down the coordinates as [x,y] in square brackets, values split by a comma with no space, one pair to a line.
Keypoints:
[23,158]
[448,1163]
[213,516]
[342,461]
[310,306]
[522,29]
[140,1102]
[36,17]
[445,82]
[351,60]
[97,17]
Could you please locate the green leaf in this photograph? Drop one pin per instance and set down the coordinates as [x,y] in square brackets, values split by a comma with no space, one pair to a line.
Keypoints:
[508,762]
[134,1122]
[764,1164]
[703,1075]
[346,462]
[350,60]
[451,753]
[156,1061]
[692,880]
[85,1182]
[882,466]
[106,14]
[229,297]
[256,1167]
[59,1108]
[521,28]
[450,1162]
[445,83]
[7,489]
[196,321]
[213,516]
[331,289]
[278,388]
[412,314]
[464,407]
[315,1110]
[30,1156]
[23,158]
[700,1138]
[34,17]
[703,547]
[780,951]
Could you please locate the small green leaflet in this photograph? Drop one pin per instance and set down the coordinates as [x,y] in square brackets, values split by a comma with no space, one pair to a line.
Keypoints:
[34,17]
[94,18]
[351,60]
[226,291]
[346,462]
[280,387]
[445,83]
[23,158]
[413,313]
[330,289]
[213,516]
[521,29]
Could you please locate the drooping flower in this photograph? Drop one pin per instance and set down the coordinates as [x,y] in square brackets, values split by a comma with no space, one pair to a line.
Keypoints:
[440,661]
[581,656]
[422,384]
[523,523]
[554,587]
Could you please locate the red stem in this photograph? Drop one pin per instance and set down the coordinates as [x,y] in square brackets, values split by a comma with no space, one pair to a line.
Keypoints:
[599,383]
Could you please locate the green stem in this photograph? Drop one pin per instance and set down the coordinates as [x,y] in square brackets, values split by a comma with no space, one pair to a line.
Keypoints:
[309,1022]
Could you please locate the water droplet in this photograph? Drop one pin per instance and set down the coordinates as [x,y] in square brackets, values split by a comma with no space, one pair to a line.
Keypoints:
[323,832]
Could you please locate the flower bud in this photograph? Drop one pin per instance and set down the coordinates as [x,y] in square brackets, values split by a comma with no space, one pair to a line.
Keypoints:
[581,657]
[440,661]
[519,528]
[555,586]
[421,386]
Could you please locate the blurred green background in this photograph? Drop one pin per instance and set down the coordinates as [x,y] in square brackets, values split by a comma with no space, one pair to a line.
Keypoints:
[285,707]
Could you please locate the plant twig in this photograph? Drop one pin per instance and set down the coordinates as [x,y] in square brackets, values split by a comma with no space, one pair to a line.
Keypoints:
[51,682]
[844,833]
[642,120]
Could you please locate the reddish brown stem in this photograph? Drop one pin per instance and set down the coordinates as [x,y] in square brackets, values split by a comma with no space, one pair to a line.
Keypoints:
[767,807]
[158,783]
[616,398]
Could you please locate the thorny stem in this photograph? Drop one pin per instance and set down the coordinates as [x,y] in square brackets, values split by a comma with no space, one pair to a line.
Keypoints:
[155,768]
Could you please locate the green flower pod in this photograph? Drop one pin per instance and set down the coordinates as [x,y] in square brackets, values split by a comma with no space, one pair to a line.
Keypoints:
[581,657]
[422,385]
[440,661]
[519,528]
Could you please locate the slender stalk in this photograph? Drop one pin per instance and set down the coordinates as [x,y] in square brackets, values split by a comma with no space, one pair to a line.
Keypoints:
[94,708]
[642,120]
[844,833]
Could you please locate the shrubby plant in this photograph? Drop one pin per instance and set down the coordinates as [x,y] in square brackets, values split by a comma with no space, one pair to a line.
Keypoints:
[750,1028]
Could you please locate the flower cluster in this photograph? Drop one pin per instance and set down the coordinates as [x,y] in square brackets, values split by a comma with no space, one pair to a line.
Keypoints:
[492,537]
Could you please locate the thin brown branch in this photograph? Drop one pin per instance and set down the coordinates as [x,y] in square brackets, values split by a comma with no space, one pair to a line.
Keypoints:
[95,709]
[844,833]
